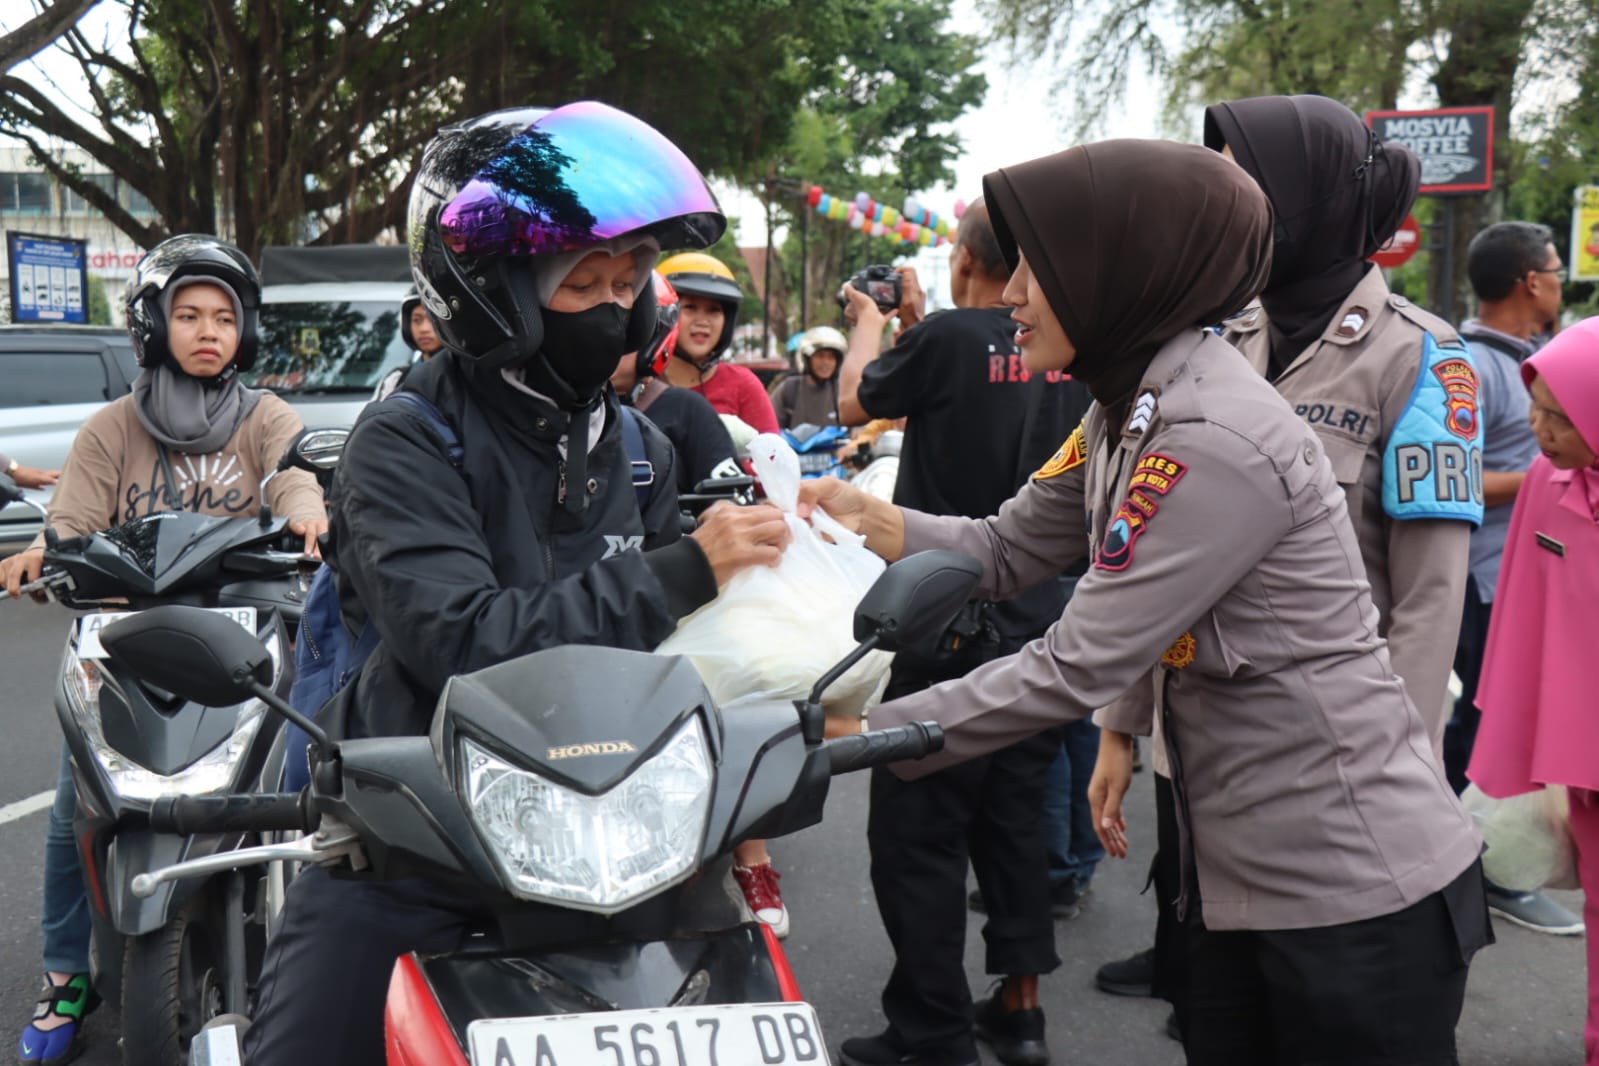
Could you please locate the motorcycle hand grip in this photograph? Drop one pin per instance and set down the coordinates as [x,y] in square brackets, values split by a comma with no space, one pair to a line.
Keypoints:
[252,813]
[880,747]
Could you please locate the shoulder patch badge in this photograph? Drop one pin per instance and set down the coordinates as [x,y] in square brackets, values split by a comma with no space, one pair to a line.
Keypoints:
[1181,653]
[1459,379]
[1432,459]
[1154,477]
[1069,456]
[1143,412]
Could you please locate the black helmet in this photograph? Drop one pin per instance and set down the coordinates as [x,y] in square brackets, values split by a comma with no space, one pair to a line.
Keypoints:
[697,274]
[497,190]
[191,255]
[409,303]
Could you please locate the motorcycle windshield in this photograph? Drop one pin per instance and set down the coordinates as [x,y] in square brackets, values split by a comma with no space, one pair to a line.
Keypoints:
[156,543]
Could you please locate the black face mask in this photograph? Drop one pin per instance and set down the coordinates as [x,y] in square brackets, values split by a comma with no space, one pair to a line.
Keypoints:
[583,348]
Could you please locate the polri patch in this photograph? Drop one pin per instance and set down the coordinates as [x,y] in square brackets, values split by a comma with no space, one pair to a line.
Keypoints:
[1181,653]
[1459,379]
[1068,457]
[1153,477]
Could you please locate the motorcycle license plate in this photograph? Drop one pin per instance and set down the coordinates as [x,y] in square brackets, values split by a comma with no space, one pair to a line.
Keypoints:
[90,625]
[741,1034]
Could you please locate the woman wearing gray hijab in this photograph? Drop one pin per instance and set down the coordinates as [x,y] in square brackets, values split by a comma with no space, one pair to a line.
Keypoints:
[1330,894]
[191,437]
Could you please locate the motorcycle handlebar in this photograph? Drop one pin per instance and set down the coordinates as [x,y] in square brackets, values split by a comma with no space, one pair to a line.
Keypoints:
[263,813]
[882,746]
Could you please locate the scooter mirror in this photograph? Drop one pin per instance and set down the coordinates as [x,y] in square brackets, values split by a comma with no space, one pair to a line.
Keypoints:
[317,449]
[912,602]
[201,656]
[9,492]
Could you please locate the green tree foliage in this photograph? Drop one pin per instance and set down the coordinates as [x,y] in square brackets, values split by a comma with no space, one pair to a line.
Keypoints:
[288,121]
[1363,52]
[880,124]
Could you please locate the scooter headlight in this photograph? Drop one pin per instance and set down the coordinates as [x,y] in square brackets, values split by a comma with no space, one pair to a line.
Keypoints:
[597,853]
[212,772]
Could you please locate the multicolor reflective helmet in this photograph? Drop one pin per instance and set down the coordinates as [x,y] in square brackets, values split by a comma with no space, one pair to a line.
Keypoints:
[496,190]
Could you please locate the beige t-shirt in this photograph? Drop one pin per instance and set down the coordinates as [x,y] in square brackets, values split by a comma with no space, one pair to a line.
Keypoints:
[113,472]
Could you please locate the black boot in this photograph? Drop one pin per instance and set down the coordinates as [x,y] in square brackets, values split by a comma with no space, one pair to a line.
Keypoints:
[1017,1036]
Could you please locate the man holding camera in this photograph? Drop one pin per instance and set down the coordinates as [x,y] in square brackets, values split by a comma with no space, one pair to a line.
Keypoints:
[977,426]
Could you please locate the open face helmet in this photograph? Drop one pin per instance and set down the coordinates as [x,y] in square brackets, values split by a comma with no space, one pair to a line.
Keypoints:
[821,339]
[191,256]
[698,274]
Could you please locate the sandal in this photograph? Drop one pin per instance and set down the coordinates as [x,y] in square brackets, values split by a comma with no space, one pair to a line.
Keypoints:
[75,1000]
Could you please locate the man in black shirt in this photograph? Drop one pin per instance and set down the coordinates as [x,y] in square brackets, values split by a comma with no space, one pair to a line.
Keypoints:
[704,449]
[977,426]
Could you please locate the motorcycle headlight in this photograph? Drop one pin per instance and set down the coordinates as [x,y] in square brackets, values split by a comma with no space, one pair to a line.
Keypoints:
[598,853]
[212,772]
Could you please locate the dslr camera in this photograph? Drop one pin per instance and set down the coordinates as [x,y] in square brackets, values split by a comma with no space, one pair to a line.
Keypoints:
[879,282]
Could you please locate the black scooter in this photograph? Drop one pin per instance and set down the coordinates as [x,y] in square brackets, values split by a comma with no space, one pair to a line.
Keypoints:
[175,958]
[595,843]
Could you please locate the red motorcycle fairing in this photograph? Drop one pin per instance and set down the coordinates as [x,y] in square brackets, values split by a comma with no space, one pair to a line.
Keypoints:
[414,1030]
[431,1002]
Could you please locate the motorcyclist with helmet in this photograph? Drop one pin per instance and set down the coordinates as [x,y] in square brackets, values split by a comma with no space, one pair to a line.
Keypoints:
[811,397]
[704,449]
[416,330]
[708,297]
[532,234]
[190,437]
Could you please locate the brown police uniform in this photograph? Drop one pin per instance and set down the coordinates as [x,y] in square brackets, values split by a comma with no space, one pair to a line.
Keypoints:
[1357,386]
[1222,551]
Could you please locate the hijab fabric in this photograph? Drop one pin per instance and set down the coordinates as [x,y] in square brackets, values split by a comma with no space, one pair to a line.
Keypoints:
[1339,194]
[1132,242]
[190,415]
[1569,365]
[1536,692]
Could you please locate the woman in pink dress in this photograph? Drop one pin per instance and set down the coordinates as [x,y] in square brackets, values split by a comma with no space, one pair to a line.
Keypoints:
[1540,716]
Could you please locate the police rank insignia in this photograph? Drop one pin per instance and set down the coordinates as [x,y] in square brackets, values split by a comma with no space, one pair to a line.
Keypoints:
[1459,379]
[1068,457]
[1181,653]
[1154,477]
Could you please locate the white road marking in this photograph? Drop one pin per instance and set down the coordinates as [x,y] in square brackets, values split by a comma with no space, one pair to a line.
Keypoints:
[24,807]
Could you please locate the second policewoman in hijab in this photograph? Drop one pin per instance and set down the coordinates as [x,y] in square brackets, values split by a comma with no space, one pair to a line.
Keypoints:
[1331,894]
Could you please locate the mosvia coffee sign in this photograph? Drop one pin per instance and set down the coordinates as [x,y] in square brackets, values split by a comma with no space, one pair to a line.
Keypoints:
[1455,145]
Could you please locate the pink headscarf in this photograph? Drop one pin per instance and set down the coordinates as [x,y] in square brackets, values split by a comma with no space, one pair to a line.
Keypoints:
[1539,724]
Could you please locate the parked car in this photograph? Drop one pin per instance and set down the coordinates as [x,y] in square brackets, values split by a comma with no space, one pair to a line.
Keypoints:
[330,331]
[51,379]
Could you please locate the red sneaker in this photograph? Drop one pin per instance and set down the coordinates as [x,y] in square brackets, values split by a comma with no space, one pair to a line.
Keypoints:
[761,896]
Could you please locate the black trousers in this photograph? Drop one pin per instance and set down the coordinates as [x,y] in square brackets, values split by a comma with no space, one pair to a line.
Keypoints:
[326,973]
[922,834]
[1386,991]
[1460,735]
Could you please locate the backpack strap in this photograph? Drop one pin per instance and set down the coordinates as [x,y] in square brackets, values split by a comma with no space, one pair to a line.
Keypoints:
[430,414]
[643,471]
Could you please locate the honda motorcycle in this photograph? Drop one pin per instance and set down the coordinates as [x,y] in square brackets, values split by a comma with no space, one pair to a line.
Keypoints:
[595,843]
[189,951]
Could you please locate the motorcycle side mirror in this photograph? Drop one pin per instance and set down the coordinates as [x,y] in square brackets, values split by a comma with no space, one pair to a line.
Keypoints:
[912,601]
[9,491]
[317,450]
[203,657]
[909,605]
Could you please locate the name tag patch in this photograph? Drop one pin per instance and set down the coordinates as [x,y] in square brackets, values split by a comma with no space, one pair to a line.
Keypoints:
[1548,543]
[1154,477]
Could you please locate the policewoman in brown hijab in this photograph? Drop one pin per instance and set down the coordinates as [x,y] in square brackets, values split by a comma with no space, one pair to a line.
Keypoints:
[1331,895]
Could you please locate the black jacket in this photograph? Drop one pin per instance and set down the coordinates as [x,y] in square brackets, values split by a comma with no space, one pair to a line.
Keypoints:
[462,569]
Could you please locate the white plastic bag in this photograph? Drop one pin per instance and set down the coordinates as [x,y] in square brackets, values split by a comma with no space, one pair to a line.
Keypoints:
[1528,838]
[774,631]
